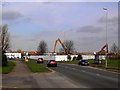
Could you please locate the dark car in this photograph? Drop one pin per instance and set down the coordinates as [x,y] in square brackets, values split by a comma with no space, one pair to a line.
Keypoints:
[51,63]
[83,62]
[40,60]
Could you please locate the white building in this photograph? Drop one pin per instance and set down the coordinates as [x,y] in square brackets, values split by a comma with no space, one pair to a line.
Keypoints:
[13,55]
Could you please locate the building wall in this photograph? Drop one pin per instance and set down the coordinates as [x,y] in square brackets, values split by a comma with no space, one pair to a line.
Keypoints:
[54,57]
[13,55]
[60,57]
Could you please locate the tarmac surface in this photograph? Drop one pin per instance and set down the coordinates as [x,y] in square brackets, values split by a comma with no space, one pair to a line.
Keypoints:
[21,77]
[62,76]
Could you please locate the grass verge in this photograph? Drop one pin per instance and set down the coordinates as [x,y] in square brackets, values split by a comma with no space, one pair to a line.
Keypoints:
[111,64]
[37,68]
[7,69]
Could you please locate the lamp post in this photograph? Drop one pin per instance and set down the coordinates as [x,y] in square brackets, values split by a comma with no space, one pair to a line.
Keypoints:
[105,9]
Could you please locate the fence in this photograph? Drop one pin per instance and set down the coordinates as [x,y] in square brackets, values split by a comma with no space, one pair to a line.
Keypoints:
[60,57]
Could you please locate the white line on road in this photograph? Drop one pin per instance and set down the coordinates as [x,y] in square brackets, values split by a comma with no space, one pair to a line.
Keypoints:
[98,74]
[83,70]
[73,68]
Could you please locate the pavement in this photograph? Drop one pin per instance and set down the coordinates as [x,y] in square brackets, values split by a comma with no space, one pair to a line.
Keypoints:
[20,77]
[63,76]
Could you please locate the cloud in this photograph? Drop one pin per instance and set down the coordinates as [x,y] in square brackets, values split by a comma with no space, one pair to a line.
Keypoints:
[48,21]
[89,29]
[11,15]
[84,42]
[112,20]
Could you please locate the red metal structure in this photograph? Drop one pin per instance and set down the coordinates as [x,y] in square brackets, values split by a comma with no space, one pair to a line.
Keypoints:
[103,50]
[65,49]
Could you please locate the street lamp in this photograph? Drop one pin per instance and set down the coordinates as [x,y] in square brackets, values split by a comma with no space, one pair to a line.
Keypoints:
[105,9]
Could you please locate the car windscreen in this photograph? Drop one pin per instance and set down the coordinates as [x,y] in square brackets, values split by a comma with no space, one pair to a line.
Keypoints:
[52,61]
[84,60]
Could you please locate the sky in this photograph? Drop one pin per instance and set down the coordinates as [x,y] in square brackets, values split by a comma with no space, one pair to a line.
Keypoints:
[83,22]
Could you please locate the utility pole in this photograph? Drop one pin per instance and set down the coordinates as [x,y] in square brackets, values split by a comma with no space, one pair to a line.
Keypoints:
[106,16]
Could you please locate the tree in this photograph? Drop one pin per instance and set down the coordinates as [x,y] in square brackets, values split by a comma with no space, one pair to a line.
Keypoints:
[4,59]
[4,38]
[69,44]
[42,47]
[114,48]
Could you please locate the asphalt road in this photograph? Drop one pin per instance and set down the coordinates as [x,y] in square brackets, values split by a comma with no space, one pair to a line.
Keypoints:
[21,77]
[63,76]
[87,76]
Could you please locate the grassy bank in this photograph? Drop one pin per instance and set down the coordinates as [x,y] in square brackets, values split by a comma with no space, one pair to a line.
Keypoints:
[7,69]
[37,68]
[111,64]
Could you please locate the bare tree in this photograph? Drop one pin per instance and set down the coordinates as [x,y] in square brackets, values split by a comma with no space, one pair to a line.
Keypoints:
[42,47]
[4,38]
[114,48]
[69,44]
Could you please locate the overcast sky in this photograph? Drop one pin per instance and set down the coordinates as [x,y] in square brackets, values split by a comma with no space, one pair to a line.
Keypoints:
[82,22]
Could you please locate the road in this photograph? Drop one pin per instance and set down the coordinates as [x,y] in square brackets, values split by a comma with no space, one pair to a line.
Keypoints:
[87,76]
[63,76]
[21,77]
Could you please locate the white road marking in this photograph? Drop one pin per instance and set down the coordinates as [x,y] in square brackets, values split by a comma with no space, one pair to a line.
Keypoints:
[98,74]
[83,70]
[73,68]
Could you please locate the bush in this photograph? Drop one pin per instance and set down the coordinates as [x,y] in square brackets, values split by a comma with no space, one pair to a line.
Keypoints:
[74,58]
[79,57]
[69,57]
[117,56]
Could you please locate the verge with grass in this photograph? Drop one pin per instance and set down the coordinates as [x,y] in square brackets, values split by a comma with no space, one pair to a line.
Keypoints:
[37,68]
[111,64]
[7,69]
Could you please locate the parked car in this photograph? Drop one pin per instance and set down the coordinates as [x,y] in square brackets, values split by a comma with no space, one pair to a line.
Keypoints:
[51,63]
[83,62]
[40,60]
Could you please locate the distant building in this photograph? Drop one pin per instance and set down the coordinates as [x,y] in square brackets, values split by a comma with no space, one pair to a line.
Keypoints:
[13,55]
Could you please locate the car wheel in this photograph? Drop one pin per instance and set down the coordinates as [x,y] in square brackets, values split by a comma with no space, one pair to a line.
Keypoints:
[47,65]
[79,63]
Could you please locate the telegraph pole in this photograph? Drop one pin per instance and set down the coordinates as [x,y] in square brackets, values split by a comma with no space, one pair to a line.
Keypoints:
[106,16]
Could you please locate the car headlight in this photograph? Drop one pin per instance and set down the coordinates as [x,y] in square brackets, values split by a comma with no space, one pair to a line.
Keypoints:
[83,62]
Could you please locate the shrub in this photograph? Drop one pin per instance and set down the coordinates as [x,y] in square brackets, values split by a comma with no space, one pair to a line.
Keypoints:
[74,58]
[69,57]
[79,57]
